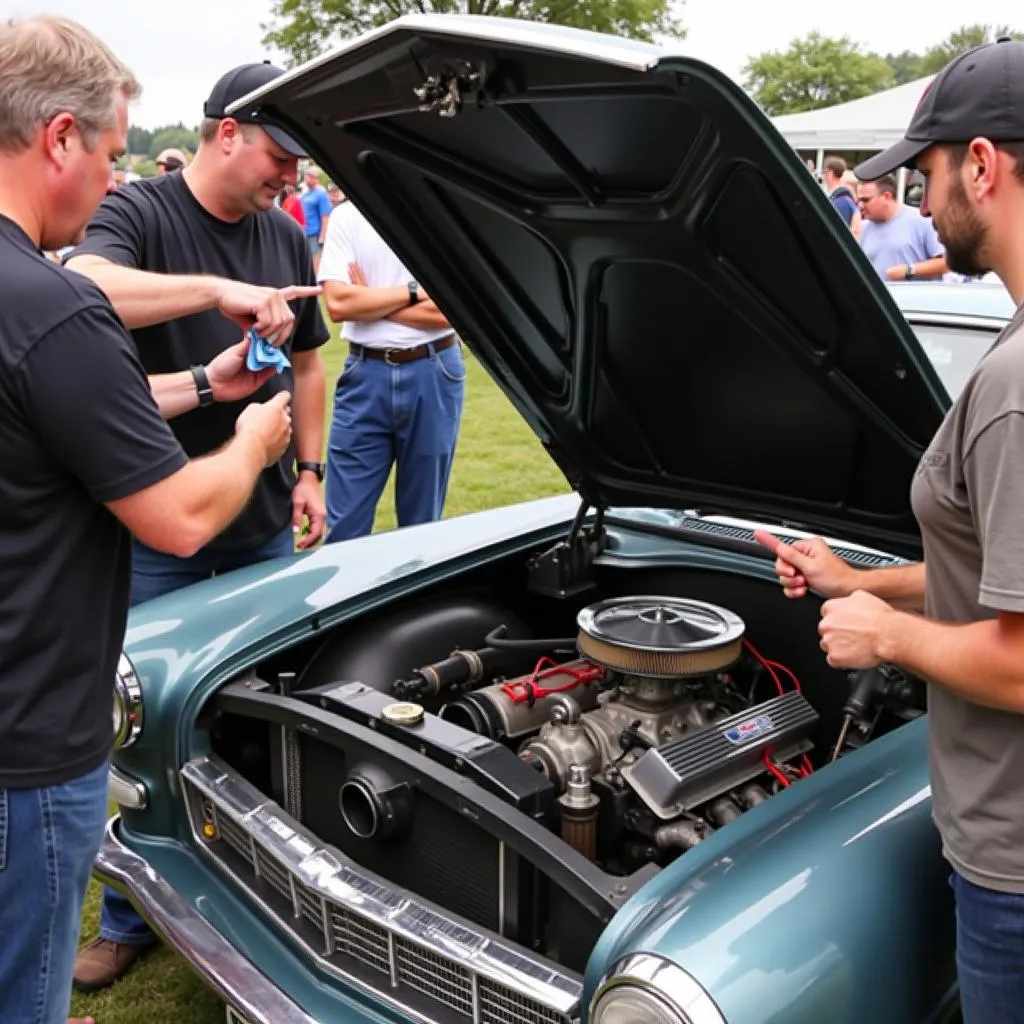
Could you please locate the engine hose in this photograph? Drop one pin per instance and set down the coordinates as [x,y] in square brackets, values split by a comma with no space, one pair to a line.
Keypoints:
[496,638]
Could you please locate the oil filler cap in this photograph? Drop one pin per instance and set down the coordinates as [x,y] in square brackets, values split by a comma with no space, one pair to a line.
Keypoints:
[402,712]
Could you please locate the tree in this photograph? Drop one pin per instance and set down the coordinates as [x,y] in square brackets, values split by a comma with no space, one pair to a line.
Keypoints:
[301,29]
[905,67]
[963,39]
[173,137]
[814,72]
[139,140]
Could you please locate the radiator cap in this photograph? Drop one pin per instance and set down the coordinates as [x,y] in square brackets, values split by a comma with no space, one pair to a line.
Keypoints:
[402,712]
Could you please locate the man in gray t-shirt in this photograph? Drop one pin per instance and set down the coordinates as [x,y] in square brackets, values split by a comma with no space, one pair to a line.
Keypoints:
[900,243]
[960,623]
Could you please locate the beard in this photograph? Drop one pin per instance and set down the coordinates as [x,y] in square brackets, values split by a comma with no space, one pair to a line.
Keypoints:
[964,234]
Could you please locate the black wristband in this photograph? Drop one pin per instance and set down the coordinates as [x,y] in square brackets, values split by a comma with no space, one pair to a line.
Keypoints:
[203,388]
[313,467]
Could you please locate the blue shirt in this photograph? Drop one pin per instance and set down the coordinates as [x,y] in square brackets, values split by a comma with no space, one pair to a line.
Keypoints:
[842,199]
[906,238]
[316,205]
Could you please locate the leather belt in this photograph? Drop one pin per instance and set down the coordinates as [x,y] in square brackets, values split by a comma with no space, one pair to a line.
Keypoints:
[396,356]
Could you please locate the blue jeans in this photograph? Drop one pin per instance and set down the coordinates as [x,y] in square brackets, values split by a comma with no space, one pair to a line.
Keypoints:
[989,953]
[49,838]
[153,575]
[405,415]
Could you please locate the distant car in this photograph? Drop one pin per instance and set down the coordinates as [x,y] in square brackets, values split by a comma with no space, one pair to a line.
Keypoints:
[575,759]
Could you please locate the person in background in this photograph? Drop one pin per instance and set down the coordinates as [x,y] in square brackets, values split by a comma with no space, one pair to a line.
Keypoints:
[849,179]
[316,208]
[957,618]
[86,458]
[335,195]
[901,244]
[399,398]
[191,261]
[840,195]
[170,160]
[291,204]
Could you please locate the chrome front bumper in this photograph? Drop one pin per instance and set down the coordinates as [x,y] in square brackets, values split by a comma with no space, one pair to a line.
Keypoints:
[221,966]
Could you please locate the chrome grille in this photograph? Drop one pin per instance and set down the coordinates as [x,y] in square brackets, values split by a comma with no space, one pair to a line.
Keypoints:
[499,1004]
[435,976]
[365,941]
[234,836]
[269,870]
[421,957]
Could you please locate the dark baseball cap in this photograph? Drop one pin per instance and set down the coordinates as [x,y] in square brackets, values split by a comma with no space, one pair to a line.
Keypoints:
[239,82]
[979,93]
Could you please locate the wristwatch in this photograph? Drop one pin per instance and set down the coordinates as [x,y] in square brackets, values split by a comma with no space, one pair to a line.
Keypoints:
[313,467]
[414,293]
[908,273]
[203,387]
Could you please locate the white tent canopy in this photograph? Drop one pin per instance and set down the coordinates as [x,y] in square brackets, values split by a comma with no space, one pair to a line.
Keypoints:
[870,123]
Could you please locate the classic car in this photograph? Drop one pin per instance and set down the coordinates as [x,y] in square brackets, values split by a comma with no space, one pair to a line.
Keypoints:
[575,759]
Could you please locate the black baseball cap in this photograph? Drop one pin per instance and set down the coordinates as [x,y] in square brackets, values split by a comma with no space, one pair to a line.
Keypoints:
[239,82]
[979,93]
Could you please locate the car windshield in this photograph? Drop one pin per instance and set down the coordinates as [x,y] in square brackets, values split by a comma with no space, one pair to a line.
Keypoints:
[954,351]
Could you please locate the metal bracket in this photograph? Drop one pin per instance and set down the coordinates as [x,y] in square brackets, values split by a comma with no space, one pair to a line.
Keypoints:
[447,91]
[568,567]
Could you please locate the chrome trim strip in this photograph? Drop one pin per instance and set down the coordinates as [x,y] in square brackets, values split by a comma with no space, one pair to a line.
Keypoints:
[234,978]
[126,791]
[684,994]
[330,875]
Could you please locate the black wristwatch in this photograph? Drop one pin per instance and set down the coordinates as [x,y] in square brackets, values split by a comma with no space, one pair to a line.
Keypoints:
[414,293]
[313,467]
[203,388]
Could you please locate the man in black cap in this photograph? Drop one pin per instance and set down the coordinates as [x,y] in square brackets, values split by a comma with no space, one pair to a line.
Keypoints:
[960,624]
[191,262]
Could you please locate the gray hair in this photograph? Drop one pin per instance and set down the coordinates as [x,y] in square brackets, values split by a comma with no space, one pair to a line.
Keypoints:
[51,66]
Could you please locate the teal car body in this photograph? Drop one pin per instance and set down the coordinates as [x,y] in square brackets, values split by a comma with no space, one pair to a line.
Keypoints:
[827,900]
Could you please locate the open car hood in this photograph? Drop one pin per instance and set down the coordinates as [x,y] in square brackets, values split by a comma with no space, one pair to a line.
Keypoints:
[638,258]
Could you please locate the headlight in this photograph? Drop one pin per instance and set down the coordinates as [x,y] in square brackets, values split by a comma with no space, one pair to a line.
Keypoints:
[127,704]
[645,989]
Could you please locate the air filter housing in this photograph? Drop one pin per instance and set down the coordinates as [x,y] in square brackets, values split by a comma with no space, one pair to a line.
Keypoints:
[660,637]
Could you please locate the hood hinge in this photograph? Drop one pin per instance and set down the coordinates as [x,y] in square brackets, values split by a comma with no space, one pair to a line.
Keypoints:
[568,567]
[447,91]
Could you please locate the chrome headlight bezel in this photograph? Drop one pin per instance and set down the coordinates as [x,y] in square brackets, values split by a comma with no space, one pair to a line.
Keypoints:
[667,985]
[127,704]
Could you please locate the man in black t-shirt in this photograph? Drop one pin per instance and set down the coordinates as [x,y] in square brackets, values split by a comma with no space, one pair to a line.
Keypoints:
[84,453]
[190,260]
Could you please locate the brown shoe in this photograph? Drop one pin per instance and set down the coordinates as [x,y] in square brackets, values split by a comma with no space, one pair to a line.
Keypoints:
[101,963]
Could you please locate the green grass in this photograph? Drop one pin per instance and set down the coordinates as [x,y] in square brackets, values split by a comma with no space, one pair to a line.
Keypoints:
[498,462]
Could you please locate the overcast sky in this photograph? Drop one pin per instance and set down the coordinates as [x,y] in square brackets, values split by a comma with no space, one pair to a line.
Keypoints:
[178,48]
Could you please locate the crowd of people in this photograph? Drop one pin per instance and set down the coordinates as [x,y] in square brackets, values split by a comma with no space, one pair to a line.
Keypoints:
[899,242]
[151,439]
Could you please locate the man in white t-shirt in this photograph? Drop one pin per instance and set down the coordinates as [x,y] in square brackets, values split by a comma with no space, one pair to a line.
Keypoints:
[399,398]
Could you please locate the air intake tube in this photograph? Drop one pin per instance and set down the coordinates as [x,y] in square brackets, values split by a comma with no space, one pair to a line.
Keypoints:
[519,707]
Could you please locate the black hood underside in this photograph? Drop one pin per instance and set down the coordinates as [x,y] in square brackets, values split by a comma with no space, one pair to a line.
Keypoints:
[640,261]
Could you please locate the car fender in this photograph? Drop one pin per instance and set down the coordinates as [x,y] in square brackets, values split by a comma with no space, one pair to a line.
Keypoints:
[828,902]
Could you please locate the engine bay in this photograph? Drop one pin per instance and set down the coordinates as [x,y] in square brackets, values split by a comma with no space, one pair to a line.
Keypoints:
[653,727]
[532,782]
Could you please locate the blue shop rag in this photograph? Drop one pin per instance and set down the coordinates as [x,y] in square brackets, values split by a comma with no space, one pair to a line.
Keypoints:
[262,354]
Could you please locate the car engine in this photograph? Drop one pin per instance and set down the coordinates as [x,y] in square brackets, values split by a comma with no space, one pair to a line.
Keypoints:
[650,736]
